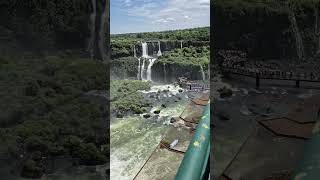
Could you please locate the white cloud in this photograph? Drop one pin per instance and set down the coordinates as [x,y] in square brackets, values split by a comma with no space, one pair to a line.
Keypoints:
[171,13]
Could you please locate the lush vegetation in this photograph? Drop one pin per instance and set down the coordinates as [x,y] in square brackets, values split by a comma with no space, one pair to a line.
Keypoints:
[186,56]
[44,25]
[125,97]
[122,44]
[124,67]
[195,34]
[44,112]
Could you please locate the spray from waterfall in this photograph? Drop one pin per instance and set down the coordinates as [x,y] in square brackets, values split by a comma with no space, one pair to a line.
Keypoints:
[202,73]
[149,70]
[92,27]
[159,51]
[143,69]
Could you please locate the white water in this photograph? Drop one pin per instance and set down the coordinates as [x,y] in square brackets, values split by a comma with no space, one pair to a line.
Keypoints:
[143,69]
[139,69]
[133,138]
[149,70]
[145,50]
[165,72]
[92,27]
[134,51]
[181,44]
[159,51]
[202,73]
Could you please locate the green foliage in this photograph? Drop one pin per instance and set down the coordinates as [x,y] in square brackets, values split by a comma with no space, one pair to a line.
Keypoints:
[124,67]
[194,34]
[90,155]
[46,24]
[44,109]
[125,97]
[31,169]
[186,56]
[122,44]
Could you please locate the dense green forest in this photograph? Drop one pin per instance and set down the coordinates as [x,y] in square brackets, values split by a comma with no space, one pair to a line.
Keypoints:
[47,72]
[44,25]
[194,34]
[122,44]
[125,97]
[268,28]
[186,56]
[44,110]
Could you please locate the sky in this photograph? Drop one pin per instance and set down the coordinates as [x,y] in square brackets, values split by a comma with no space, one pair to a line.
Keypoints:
[130,16]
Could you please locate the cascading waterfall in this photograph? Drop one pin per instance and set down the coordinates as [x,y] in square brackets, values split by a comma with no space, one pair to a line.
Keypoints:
[181,44]
[159,51]
[92,28]
[139,69]
[202,73]
[145,50]
[142,69]
[134,51]
[165,72]
[149,70]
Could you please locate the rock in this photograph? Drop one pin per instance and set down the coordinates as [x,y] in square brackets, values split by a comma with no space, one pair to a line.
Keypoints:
[256,91]
[222,116]
[119,115]
[156,111]
[163,105]
[146,116]
[225,92]
[244,110]
[151,96]
[173,120]
[180,90]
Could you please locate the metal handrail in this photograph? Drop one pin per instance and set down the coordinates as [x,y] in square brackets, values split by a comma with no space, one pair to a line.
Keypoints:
[195,164]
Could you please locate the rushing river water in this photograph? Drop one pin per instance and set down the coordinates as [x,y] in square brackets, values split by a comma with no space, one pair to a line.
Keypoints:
[133,138]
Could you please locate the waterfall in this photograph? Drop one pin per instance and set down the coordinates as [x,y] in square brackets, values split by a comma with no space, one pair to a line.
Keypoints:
[144,50]
[102,31]
[92,27]
[202,73]
[164,72]
[134,52]
[181,44]
[159,51]
[139,69]
[149,70]
[142,69]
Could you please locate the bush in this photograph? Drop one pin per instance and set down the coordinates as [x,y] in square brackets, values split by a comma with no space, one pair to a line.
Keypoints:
[31,169]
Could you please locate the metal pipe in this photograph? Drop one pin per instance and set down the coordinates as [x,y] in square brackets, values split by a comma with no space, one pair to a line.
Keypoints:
[196,159]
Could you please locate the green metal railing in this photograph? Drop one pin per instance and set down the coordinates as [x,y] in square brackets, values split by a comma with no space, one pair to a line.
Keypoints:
[195,164]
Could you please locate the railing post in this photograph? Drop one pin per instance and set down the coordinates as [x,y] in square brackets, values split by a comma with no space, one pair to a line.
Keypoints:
[297,83]
[257,81]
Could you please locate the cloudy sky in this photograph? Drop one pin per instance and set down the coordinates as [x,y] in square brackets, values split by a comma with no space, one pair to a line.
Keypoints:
[157,15]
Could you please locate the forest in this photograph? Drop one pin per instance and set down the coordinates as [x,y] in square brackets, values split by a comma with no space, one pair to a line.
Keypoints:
[46,74]
[121,44]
